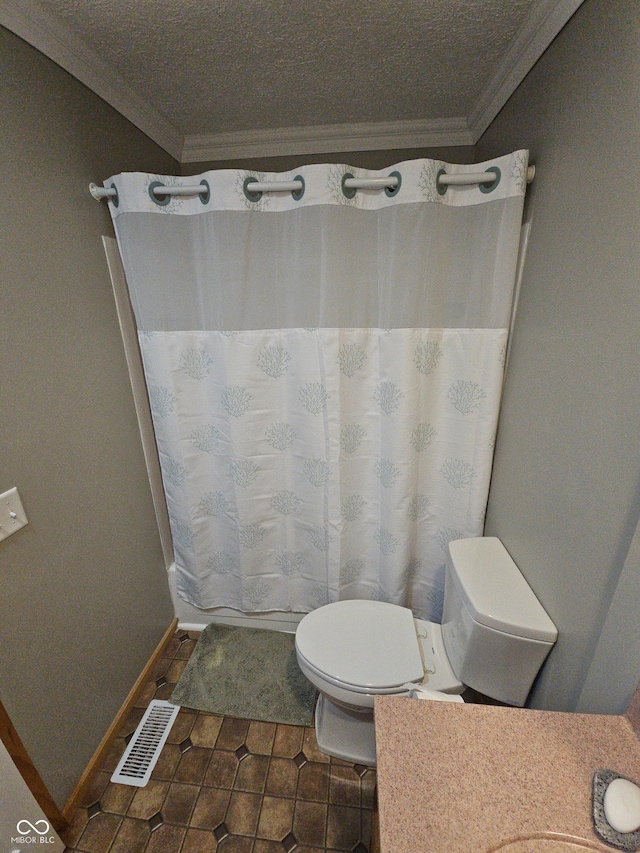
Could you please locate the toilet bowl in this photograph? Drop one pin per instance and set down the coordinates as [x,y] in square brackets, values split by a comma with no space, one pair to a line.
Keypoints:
[353,651]
[360,650]
[494,637]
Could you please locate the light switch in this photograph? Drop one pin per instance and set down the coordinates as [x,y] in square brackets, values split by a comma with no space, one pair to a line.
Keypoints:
[12,514]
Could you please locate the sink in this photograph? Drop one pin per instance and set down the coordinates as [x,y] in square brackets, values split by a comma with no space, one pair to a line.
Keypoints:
[546,843]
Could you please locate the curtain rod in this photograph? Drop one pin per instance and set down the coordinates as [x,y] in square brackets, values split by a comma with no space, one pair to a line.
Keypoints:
[470,178]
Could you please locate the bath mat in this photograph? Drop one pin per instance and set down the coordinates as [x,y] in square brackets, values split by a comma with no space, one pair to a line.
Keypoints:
[246,672]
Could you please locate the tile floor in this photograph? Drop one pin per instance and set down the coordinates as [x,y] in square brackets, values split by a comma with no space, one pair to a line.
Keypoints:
[226,785]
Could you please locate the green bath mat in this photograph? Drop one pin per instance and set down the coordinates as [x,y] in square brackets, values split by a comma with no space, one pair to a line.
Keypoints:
[246,672]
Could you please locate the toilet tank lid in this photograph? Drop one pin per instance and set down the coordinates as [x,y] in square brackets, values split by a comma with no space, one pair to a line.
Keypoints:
[495,591]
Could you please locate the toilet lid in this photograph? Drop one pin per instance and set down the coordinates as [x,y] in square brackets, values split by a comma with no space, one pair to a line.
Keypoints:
[364,644]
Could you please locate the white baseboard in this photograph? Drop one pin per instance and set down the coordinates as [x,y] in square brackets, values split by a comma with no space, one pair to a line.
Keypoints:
[191,618]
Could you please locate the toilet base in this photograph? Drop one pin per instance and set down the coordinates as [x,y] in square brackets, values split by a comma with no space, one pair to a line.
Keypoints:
[345,734]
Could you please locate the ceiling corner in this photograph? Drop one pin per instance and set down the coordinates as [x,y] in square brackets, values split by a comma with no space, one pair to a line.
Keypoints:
[544,23]
[32,21]
[35,24]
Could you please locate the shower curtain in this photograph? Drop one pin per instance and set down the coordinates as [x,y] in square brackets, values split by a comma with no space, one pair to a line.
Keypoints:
[324,369]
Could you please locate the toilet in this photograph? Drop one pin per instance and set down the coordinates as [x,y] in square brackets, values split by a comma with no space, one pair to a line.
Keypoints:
[494,637]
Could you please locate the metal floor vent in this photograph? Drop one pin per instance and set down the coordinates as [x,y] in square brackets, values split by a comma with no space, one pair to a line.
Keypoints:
[140,756]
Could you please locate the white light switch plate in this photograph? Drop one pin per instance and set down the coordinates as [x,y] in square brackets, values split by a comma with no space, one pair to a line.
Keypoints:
[12,514]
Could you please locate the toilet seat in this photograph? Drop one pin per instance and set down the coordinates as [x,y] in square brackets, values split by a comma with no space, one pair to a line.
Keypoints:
[361,646]
[352,688]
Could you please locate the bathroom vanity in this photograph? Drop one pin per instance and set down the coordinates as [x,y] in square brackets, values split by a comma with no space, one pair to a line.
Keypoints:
[454,778]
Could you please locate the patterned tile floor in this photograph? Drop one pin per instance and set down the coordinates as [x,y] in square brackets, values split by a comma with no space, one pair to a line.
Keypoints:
[227,785]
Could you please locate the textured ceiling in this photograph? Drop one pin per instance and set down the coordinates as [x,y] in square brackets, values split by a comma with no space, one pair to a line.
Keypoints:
[226,65]
[192,70]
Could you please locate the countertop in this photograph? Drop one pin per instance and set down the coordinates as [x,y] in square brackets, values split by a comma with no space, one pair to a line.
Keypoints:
[456,778]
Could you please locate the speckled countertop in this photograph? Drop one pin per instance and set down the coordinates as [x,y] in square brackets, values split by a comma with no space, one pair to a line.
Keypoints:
[456,778]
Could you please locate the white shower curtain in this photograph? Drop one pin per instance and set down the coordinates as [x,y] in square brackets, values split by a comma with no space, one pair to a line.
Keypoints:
[324,371]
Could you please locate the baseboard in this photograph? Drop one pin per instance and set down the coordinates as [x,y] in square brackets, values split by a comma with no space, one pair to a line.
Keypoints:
[101,752]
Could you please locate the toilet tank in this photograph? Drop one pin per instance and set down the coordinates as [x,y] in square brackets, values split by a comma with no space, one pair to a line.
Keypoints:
[495,631]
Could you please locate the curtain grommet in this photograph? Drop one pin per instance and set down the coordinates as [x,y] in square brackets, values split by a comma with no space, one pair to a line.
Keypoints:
[490,186]
[115,200]
[391,192]
[205,193]
[161,202]
[254,197]
[347,193]
[441,188]
[296,195]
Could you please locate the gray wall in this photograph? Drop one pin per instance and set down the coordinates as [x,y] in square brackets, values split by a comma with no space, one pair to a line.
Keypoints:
[84,591]
[613,674]
[564,495]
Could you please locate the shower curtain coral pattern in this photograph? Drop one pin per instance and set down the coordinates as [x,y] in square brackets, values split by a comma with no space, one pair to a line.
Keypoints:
[324,372]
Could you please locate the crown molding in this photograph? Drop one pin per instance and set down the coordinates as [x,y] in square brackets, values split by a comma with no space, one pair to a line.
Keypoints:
[326,139]
[544,23]
[35,24]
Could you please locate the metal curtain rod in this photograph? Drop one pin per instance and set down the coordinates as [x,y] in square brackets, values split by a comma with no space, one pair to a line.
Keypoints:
[295,186]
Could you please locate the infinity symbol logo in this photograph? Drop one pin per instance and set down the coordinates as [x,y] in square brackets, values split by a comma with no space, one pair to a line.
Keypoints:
[20,827]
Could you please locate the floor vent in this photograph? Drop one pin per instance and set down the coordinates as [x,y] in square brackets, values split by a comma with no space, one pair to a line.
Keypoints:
[144,748]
